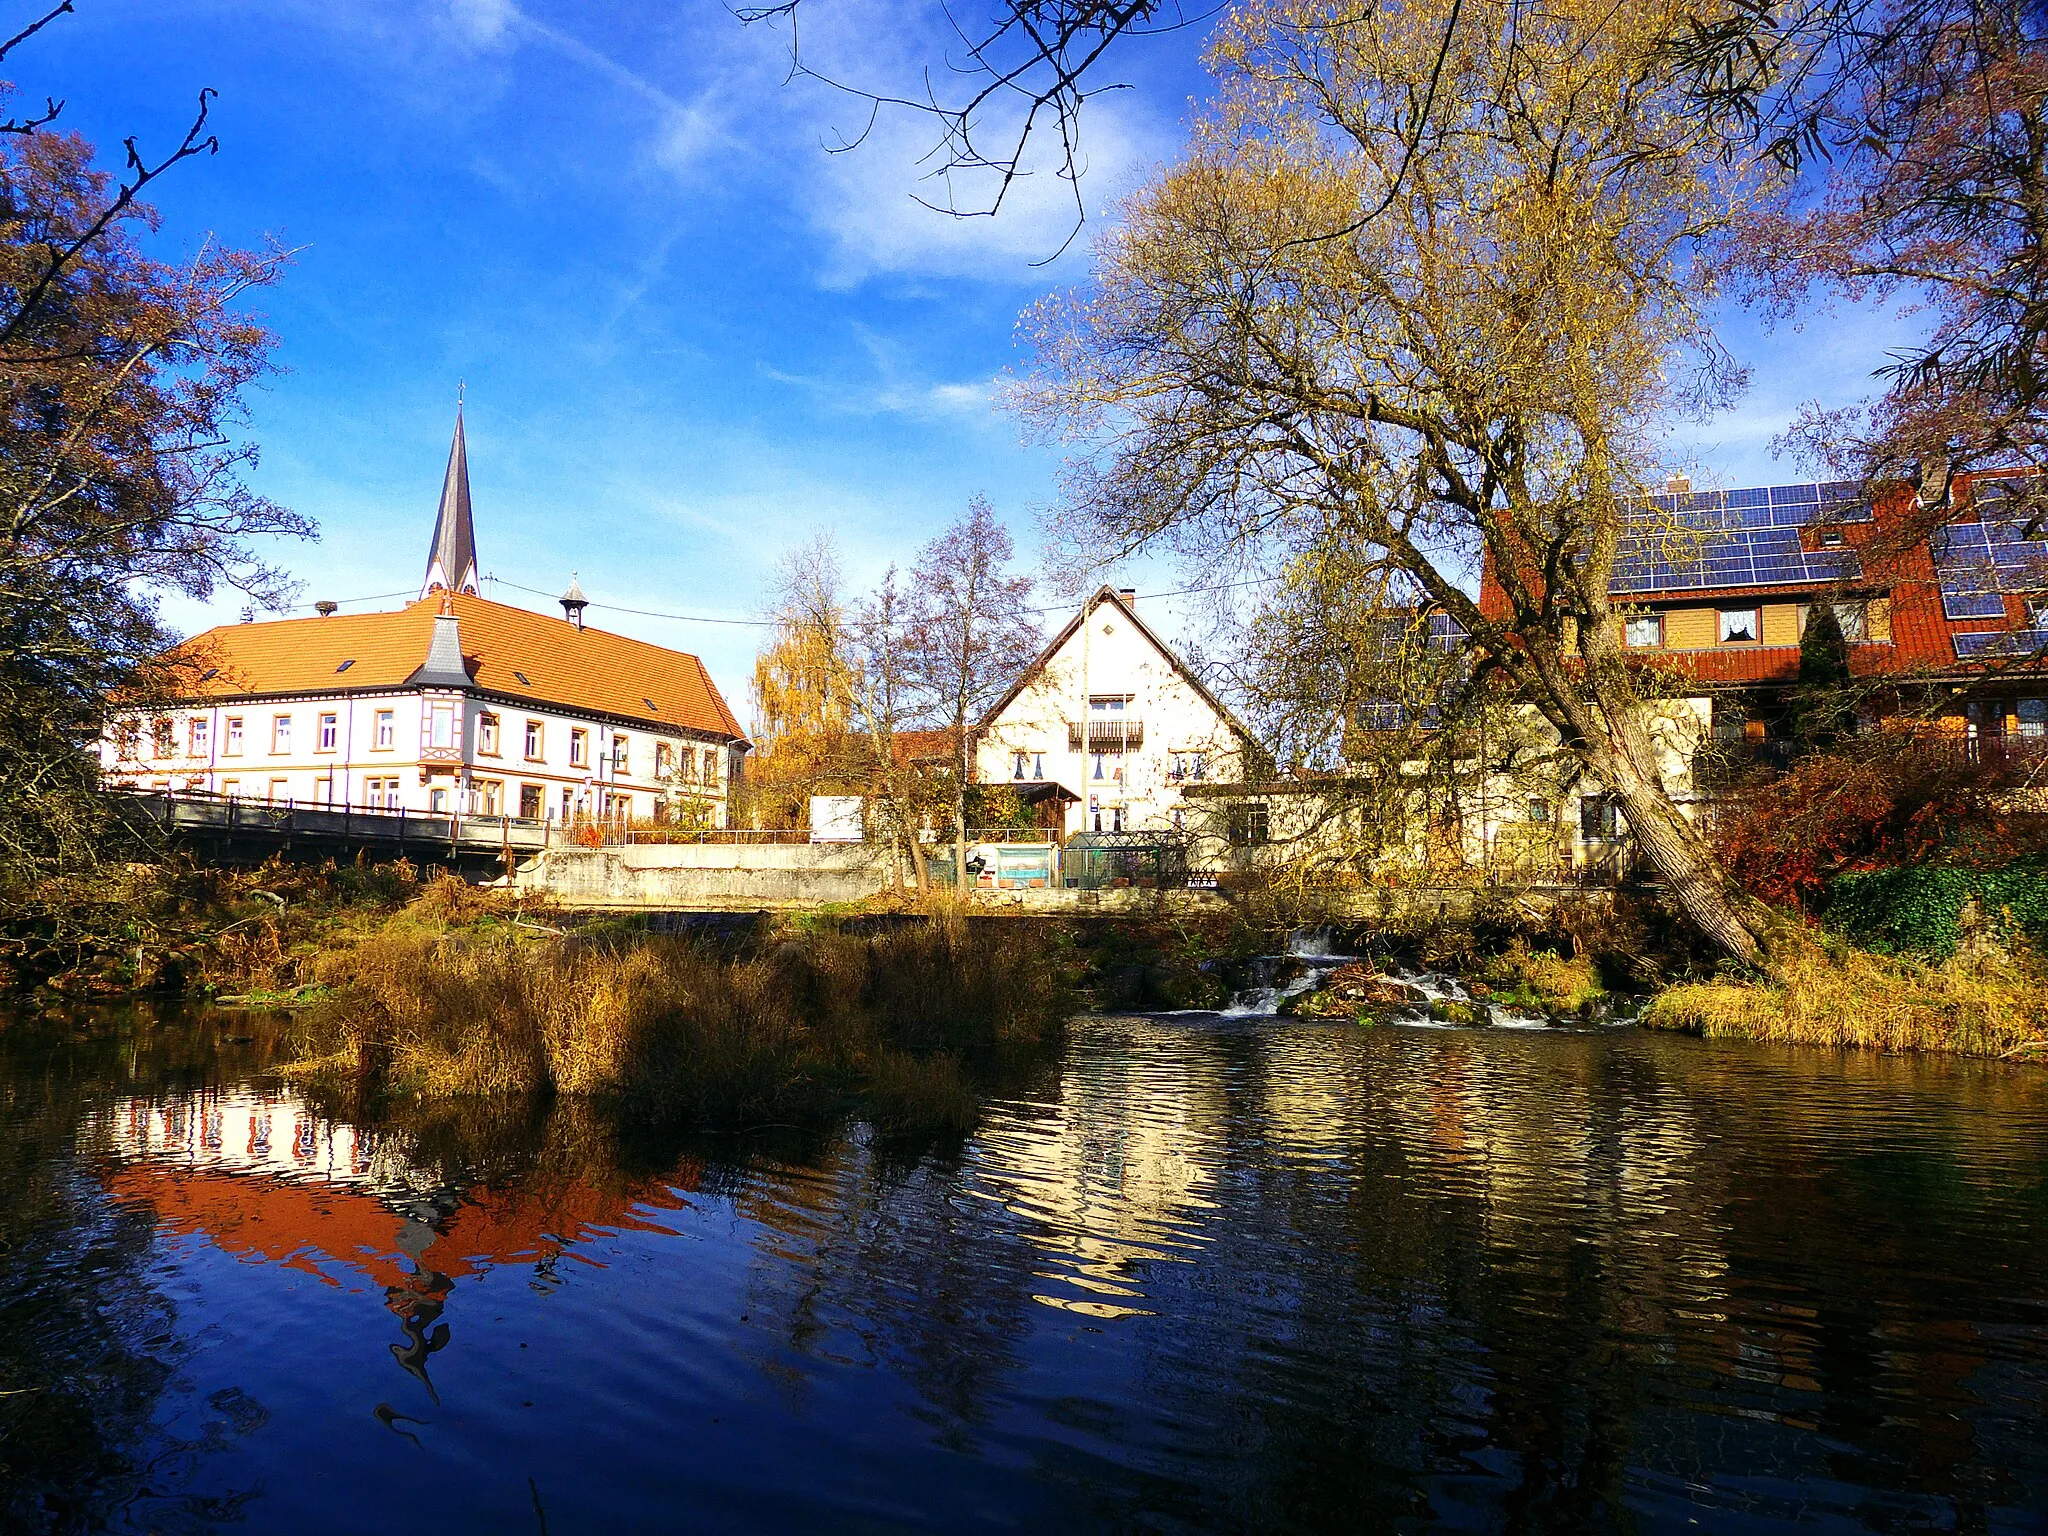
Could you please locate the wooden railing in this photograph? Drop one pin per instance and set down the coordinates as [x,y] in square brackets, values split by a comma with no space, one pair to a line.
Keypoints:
[1123,735]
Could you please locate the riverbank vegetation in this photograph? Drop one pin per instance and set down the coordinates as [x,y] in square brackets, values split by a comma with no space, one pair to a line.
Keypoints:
[792,1024]
[1983,1001]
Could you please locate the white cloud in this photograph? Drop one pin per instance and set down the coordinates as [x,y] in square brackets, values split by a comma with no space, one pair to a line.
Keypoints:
[874,182]
[483,23]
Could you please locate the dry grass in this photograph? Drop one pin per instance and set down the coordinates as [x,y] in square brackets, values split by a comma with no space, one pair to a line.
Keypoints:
[790,1029]
[1988,1001]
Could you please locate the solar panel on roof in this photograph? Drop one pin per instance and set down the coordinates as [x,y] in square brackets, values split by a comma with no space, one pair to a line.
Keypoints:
[1978,563]
[1739,538]
[2002,642]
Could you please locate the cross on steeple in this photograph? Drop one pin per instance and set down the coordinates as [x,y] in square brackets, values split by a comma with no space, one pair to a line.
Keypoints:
[451,560]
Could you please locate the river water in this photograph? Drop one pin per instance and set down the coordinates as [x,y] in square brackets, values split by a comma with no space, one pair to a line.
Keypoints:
[1201,1273]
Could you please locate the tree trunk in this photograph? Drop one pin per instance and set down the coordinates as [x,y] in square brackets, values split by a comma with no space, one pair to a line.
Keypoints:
[960,834]
[960,802]
[1712,902]
[1607,722]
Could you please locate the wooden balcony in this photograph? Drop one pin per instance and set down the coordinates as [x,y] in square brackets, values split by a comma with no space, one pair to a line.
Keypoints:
[1121,735]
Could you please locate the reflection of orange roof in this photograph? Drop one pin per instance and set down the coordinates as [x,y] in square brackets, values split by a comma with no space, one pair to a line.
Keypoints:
[509,651]
[299,1225]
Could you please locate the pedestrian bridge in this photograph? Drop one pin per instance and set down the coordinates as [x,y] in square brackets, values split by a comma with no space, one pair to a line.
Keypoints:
[227,827]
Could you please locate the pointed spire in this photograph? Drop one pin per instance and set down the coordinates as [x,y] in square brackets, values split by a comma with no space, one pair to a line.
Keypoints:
[574,602]
[451,562]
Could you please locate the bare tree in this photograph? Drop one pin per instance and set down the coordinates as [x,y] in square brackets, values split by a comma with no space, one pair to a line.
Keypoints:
[883,649]
[973,636]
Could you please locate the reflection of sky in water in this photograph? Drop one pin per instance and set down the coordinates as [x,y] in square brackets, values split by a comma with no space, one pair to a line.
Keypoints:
[1230,1274]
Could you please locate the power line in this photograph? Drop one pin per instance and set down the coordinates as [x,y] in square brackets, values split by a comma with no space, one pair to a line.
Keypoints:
[700,618]
[645,613]
[374,597]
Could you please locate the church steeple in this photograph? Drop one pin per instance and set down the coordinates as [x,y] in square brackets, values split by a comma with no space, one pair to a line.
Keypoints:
[451,561]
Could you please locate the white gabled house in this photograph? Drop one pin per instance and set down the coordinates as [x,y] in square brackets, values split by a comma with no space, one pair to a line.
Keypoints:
[1111,727]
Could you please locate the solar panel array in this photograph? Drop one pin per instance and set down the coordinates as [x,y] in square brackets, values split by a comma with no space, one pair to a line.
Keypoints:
[1979,563]
[1745,538]
[2002,642]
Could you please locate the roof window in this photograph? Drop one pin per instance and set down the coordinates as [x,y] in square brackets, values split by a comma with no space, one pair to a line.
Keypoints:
[346,665]
[209,674]
[522,679]
[654,707]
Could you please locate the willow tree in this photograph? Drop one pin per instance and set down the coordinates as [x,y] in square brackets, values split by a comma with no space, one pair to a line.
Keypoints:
[803,687]
[1423,290]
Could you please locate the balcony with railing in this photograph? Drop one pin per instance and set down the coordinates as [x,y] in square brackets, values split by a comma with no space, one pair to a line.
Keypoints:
[1123,733]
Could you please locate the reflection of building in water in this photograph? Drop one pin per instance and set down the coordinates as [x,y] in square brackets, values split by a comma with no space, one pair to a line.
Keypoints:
[262,1175]
[1121,1170]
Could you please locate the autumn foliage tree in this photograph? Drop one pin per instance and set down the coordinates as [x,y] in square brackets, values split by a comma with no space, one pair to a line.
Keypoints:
[803,690]
[123,376]
[1422,291]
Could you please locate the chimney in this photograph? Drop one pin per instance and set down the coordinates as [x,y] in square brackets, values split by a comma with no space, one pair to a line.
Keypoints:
[326,608]
[1677,484]
[1130,597]
[574,602]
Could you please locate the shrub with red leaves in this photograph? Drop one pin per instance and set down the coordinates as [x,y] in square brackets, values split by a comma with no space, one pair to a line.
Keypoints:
[1874,804]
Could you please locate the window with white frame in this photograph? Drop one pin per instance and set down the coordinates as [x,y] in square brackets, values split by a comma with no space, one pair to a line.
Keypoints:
[441,725]
[710,765]
[579,748]
[330,732]
[1645,631]
[280,734]
[487,735]
[386,736]
[231,746]
[197,736]
[160,735]
[619,754]
[535,739]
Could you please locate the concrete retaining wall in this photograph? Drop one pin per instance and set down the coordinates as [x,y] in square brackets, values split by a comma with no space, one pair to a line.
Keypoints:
[707,877]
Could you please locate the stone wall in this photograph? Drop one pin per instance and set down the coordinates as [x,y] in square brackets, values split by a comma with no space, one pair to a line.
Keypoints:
[707,877]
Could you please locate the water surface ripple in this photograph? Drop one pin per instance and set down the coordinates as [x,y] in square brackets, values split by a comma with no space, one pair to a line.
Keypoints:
[1202,1273]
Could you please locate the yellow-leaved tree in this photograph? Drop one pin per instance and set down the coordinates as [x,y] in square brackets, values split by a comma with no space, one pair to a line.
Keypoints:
[1422,293]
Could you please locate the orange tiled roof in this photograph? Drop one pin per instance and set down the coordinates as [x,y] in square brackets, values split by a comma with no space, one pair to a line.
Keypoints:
[941,745]
[507,651]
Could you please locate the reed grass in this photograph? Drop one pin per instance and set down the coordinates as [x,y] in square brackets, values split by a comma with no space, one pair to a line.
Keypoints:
[801,1025]
[1987,1000]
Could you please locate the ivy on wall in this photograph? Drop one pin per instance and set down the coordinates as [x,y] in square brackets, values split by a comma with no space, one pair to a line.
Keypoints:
[1919,908]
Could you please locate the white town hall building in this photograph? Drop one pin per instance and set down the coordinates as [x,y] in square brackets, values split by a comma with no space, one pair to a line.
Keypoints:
[453,704]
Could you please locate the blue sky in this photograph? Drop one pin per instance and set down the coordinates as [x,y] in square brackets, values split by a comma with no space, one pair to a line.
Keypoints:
[690,336]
